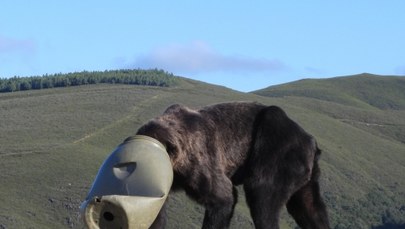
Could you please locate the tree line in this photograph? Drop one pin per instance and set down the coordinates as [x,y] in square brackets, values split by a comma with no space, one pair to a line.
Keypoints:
[151,77]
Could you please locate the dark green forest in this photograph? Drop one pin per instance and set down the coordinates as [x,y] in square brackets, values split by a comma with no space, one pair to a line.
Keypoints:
[152,77]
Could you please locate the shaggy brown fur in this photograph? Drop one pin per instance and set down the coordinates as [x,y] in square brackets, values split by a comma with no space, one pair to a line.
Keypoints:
[218,147]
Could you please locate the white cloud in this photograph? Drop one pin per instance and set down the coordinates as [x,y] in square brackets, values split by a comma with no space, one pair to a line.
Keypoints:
[199,57]
[17,56]
[400,70]
[11,45]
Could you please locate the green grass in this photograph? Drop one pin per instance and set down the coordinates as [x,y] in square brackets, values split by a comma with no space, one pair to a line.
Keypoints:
[364,90]
[53,141]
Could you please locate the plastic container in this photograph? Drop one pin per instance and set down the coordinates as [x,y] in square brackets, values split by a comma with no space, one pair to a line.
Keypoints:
[130,187]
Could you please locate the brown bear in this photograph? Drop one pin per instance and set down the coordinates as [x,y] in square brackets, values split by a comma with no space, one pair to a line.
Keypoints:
[217,147]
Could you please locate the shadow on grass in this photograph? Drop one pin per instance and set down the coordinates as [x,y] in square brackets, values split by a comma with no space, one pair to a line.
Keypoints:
[390,226]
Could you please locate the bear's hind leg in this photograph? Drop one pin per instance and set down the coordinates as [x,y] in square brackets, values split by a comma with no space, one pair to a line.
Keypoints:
[306,205]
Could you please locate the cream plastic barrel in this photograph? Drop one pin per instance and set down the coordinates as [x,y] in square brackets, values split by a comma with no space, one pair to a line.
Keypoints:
[130,187]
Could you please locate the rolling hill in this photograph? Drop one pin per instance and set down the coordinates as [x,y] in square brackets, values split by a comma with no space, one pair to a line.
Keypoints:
[361,90]
[53,141]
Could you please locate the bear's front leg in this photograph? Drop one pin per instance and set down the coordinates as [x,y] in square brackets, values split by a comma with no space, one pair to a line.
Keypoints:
[219,204]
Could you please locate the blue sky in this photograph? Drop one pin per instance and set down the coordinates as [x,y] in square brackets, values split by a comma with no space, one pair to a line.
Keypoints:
[244,45]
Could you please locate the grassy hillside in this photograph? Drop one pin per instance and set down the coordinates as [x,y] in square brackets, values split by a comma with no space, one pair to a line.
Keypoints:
[370,102]
[363,90]
[53,141]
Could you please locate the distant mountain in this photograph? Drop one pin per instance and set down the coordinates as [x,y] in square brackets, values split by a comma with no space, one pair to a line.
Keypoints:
[384,92]
[53,141]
